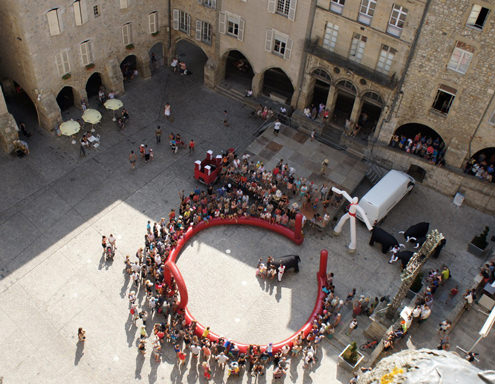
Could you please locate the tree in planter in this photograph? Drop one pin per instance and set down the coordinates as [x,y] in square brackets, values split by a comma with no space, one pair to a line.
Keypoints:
[351,354]
[480,241]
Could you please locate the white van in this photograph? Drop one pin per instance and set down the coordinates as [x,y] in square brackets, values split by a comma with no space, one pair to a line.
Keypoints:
[380,199]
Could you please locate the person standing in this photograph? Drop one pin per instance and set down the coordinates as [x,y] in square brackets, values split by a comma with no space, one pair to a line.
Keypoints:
[167,111]
[81,335]
[146,153]
[191,146]
[132,159]
[276,127]
[352,326]
[324,166]
[112,240]
[158,134]
[84,145]
[225,118]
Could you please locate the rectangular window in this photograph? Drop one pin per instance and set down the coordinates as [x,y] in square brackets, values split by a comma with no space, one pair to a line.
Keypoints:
[337,6]
[123,4]
[357,48]
[96,10]
[203,31]
[86,52]
[385,59]
[444,99]
[232,25]
[366,11]
[208,3]
[62,61]
[184,22]
[53,23]
[153,22]
[278,43]
[330,37]
[397,20]
[127,34]
[461,57]
[477,17]
[283,7]
[77,12]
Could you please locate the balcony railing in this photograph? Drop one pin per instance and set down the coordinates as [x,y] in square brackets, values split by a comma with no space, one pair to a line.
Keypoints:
[344,63]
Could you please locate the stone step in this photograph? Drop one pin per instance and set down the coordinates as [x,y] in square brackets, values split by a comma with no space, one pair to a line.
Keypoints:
[236,94]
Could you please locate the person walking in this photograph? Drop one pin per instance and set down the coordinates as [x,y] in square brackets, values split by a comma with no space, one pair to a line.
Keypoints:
[84,145]
[158,134]
[132,159]
[352,326]
[191,145]
[276,127]
[146,153]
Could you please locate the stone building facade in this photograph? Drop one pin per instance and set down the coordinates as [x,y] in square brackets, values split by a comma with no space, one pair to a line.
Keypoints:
[449,87]
[50,45]
[357,54]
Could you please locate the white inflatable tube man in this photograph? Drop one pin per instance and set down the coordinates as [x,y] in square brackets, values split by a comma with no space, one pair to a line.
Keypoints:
[351,214]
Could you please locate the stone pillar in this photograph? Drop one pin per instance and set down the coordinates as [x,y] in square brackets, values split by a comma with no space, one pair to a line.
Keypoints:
[112,77]
[79,94]
[356,109]
[331,100]
[49,115]
[210,74]
[257,84]
[455,154]
[3,105]
[144,66]
[8,127]
[305,95]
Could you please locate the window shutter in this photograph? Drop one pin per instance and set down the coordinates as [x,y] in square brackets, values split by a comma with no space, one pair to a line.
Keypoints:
[53,24]
[175,22]
[84,54]
[213,4]
[60,65]
[153,22]
[288,49]
[268,40]
[198,30]
[242,23]
[65,61]
[123,4]
[474,14]
[188,24]
[272,5]
[77,13]
[292,10]
[222,21]
[83,4]
[126,34]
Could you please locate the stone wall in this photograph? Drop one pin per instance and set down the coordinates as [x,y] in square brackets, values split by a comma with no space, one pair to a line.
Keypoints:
[467,119]
[477,193]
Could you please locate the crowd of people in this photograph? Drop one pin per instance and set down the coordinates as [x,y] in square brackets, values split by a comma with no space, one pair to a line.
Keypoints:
[429,148]
[482,167]
[247,189]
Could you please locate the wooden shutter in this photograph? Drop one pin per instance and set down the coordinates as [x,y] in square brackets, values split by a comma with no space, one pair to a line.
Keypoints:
[198,30]
[60,64]
[188,24]
[83,4]
[288,49]
[153,22]
[473,16]
[65,61]
[126,34]
[85,53]
[292,10]
[175,19]
[268,40]
[272,6]
[242,24]
[53,24]
[77,12]
[222,22]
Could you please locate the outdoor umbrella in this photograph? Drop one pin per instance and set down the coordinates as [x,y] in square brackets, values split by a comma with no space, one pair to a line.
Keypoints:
[69,128]
[91,116]
[113,105]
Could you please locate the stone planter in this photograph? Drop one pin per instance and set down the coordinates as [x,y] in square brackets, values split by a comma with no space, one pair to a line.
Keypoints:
[478,252]
[344,363]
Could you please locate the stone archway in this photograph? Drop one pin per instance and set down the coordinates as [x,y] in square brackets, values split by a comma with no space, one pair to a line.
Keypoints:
[194,57]
[482,164]
[93,85]
[238,71]
[20,104]
[420,140]
[157,58]
[370,113]
[128,66]
[344,103]
[65,98]
[321,86]
[277,85]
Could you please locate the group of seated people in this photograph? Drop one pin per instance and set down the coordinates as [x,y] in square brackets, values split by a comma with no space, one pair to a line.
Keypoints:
[481,167]
[428,148]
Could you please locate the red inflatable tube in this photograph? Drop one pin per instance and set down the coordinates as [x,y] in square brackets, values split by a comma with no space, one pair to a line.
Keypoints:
[295,236]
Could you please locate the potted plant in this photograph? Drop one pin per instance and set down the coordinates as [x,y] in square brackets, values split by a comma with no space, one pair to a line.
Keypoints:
[350,356]
[90,66]
[129,46]
[155,33]
[66,76]
[479,245]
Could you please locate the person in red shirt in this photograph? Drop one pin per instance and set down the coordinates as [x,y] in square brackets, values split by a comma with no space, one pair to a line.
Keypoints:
[191,146]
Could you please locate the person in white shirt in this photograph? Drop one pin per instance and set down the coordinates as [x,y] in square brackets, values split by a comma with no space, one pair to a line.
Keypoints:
[222,360]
